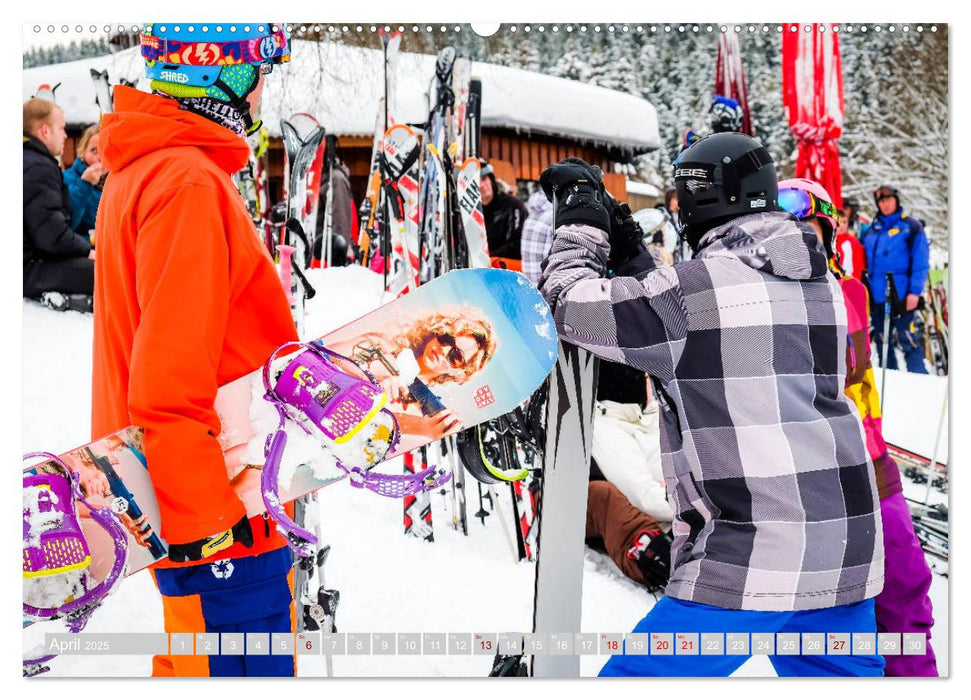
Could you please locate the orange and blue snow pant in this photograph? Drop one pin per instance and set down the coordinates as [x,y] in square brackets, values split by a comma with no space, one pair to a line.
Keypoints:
[247,594]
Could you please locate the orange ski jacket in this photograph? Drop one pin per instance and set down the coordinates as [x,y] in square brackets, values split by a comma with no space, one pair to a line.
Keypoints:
[187,299]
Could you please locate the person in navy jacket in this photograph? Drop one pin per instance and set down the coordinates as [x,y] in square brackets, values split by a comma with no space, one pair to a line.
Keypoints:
[896,244]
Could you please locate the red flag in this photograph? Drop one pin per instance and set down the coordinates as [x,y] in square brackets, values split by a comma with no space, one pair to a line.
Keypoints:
[812,94]
[730,76]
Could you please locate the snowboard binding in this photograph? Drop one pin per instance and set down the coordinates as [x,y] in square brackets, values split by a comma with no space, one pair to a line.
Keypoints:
[56,558]
[348,414]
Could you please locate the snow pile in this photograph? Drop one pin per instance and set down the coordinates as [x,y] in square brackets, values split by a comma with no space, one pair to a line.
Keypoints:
[913,405]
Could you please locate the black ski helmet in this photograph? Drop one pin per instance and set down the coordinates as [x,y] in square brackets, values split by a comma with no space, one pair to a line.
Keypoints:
[886,191]
[853,204]
[720,177]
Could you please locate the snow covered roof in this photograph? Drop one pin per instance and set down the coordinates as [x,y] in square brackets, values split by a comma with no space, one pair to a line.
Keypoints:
[340,85]
[642,188]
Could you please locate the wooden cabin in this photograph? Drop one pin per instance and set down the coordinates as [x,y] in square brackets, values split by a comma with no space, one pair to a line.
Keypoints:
[529,120]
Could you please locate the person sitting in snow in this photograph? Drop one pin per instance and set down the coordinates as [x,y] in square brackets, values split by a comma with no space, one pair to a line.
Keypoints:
[628,515]
[58,263]
[84,180]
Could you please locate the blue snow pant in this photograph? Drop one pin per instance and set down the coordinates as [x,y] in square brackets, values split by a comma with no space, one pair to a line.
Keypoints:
[673,616]
[905,332]
[248,594]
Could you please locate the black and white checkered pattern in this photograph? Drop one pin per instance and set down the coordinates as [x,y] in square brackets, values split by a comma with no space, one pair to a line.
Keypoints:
[764,457]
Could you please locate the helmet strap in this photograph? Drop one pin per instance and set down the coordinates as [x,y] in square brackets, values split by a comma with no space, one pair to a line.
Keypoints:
[218,111]
[241,105]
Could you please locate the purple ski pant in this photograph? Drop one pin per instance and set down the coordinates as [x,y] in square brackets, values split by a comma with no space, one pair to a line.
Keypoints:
[904,605]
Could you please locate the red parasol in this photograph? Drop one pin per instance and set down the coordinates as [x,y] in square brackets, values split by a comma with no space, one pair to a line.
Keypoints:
[812,94]
[730,76]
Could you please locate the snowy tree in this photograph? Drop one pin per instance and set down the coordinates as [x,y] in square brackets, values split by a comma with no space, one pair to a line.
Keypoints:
[897,122]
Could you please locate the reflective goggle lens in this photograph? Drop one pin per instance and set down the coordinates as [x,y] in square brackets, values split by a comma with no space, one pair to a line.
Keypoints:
[797,202]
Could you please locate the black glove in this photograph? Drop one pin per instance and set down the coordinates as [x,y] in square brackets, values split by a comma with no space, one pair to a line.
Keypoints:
[207,546]
[626,236]
[579,193]
[652,552]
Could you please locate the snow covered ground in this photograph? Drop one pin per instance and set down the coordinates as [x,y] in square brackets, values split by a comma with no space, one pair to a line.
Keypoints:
[388,583]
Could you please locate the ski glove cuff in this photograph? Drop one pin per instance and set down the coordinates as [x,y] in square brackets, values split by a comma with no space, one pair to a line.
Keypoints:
[576,190]
[651,551]
[200,549]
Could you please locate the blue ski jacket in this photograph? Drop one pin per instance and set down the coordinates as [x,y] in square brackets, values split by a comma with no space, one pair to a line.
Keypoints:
[85,198]
[896,244]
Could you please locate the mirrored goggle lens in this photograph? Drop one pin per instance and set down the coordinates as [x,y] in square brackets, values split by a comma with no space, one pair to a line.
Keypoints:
[826,209]
[797,202]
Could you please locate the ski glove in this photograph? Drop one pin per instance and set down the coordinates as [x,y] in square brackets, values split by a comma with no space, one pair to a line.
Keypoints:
[626,236]
[207,546]
[652,553]
[579,193]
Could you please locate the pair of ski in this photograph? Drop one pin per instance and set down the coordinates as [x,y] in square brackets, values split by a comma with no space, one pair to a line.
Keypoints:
[936,323]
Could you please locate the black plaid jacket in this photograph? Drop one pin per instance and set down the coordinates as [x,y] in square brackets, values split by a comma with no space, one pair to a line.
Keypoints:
[764,457]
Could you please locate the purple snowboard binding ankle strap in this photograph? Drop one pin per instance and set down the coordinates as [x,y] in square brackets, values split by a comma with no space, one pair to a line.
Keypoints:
[312,389]
[398,485]
[60,547]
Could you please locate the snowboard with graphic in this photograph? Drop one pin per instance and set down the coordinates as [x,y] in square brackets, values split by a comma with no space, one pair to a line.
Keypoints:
[457,351]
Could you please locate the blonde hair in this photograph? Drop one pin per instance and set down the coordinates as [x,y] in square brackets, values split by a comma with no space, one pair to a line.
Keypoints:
[91,131]
[37,111]
[453,322]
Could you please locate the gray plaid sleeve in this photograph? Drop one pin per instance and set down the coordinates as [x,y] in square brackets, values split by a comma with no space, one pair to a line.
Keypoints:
[641,323]
[535,245]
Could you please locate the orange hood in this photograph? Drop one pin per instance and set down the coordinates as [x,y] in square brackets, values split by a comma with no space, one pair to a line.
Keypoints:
[143,123]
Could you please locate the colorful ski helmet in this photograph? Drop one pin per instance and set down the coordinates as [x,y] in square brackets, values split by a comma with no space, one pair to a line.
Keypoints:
[725,114]
[720,177]
[805,199]
[219,61]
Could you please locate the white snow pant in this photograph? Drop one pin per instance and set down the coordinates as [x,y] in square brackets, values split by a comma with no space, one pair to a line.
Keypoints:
[627,448]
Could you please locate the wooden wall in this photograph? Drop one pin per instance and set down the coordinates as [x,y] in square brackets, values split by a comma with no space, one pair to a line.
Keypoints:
[527,154]
[530,154]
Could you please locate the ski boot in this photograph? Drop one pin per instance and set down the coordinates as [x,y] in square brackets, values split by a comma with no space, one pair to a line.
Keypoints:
[59,301]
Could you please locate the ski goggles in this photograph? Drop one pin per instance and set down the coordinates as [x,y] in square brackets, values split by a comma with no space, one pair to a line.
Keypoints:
[803,204]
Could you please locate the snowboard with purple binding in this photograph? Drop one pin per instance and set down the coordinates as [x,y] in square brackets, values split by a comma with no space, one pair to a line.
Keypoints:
[455,352]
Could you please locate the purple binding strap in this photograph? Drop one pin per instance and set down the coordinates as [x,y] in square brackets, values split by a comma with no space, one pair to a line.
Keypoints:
[397,485]
[78,611]
[300,540]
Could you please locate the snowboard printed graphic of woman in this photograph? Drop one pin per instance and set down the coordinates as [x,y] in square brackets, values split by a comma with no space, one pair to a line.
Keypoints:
[442,349]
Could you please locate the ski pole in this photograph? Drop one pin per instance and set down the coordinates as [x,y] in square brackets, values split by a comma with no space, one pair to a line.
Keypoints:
[937,444]
[494,497]
[482,513]
[887,310]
